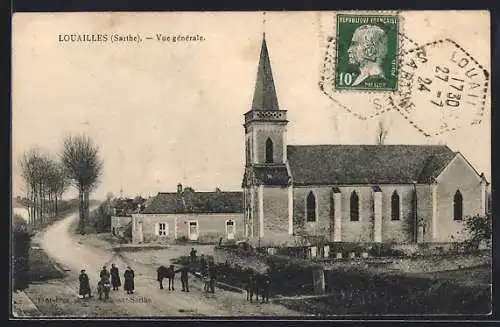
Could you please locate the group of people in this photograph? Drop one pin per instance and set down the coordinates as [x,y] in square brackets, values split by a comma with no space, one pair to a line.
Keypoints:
[107,280]
[208,273]
[258,285]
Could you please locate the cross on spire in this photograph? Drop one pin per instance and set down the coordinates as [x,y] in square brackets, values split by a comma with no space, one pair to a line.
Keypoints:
[263,24]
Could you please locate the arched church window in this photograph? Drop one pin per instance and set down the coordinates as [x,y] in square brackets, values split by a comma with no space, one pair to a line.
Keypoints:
[457,206]
[395,206]
[354,206]
[311,207]
[269,150]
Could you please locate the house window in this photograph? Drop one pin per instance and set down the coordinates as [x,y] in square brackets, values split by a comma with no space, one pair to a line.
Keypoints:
[395,214]
[114,231]
[457,206]
[269,150]
[311,207]
[162,229]
[354,206]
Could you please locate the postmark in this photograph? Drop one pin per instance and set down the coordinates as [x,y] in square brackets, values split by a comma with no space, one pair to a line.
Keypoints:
[367,52]
[442,88]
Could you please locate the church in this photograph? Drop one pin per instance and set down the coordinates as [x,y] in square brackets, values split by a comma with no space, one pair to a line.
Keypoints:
[349,193]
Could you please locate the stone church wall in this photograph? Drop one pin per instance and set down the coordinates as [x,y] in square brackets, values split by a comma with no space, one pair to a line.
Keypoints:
[457,176]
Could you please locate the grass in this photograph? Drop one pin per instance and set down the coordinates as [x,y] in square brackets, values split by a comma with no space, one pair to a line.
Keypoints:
[359,292]
[474,276]
[42,268]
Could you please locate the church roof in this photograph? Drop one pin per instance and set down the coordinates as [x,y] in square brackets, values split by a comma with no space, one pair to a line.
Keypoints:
[191,202]
[264,97]
[267,175]
[367,164]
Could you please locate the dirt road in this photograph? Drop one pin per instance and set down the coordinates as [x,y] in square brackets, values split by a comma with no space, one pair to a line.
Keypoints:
[73,255]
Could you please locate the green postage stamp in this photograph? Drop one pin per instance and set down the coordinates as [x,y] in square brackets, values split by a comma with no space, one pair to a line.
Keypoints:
[367,52]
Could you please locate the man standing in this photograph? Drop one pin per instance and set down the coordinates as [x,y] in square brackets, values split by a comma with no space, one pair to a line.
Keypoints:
[212,275]
[115,277]
[266,288]
[84,284]
[171,277]
[192,254]
[203,265]
[184,278]
[104,274]
[128,283]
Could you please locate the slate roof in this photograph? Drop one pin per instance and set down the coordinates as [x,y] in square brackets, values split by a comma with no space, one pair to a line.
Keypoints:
[267,175]
[189,202]
[264,97]
[366,164]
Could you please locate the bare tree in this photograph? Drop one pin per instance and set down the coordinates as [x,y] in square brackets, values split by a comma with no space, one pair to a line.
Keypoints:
[382,131]
[83,165]
[28,162]
[42,176]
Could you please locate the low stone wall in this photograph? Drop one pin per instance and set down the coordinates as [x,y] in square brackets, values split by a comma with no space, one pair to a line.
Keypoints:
[441,263]
[433,263]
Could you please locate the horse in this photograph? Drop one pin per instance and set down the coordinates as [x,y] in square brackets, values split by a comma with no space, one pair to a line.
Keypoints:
[103,287]
[164,272]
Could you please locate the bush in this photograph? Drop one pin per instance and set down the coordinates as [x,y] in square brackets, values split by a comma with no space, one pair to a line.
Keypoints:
[100,219]
[182,240]
[479,228]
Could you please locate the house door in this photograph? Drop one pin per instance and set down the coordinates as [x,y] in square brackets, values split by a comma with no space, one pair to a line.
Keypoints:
[230,229]
[193,230]
[140,237]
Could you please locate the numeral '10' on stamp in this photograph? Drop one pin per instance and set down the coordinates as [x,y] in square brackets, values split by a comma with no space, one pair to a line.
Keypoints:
[367,52]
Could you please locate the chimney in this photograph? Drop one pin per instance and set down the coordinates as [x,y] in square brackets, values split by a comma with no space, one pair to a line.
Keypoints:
[179,188]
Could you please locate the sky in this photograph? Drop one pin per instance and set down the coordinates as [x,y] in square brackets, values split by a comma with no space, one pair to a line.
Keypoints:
[163,112]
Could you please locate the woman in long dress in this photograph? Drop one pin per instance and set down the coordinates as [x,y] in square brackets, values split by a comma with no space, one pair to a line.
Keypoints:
[128,284]
[84,284]
[115,277]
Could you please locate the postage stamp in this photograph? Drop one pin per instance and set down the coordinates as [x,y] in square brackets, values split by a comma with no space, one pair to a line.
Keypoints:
[367,52]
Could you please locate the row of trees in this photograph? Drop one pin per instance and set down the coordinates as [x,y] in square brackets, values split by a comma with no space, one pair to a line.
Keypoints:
[45,183]
[48,176]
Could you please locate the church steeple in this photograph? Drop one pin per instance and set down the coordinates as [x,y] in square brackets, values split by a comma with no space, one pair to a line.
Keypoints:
[264,97]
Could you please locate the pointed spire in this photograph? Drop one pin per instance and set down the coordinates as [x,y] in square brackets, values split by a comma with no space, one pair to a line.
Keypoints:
[264,97]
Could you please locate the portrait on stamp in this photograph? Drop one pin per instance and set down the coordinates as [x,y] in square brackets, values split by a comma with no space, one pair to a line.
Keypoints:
[367,49]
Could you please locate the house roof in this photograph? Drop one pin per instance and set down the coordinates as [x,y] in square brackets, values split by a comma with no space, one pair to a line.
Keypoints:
[195,202]
[264,97]
[367,164]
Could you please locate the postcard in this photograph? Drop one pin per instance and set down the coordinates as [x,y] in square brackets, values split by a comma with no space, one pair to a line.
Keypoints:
[251,164]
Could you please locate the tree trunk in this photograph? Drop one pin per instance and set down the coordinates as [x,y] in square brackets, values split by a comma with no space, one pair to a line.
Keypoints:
[40,195]
[81,211]
[55,204]
[86,201]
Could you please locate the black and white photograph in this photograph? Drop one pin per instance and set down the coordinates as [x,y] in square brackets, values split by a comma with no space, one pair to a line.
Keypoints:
[251,164]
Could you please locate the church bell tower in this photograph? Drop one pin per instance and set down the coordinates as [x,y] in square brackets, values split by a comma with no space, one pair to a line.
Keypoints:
[265,124]
[265,147]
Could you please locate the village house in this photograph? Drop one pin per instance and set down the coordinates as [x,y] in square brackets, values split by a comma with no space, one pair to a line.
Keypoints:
[188,215]
[349,193]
